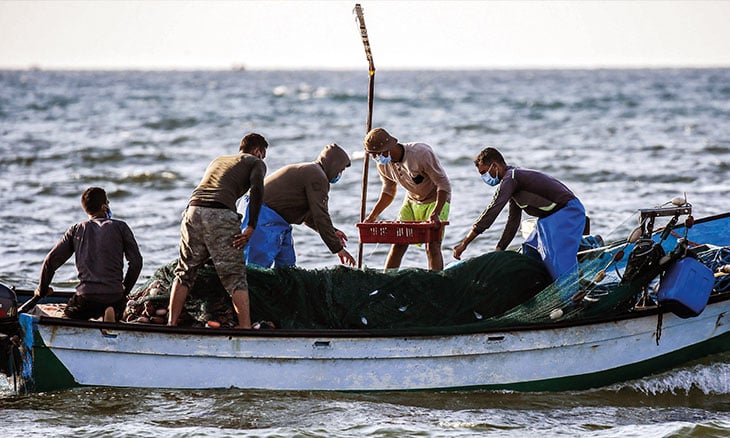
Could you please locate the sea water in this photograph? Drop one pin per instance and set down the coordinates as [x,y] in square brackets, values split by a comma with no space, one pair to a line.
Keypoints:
[620,139]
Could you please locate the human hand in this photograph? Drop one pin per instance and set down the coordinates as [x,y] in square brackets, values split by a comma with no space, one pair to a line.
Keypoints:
[37,292]
[345,257]
[342,236]
[458,249]
[370,218]
[241,239]
[435,218]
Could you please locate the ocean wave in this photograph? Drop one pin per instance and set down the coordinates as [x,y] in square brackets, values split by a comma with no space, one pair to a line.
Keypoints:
[597,176]
[126,183]
[164,177]
[717,148]
[97,156]
[180,140]
[476,127]
[172,123]
[709,379]
[51,102]
[18,160]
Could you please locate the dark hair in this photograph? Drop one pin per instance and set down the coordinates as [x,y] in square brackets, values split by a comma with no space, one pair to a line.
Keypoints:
[93,199]
[251,142]
[487,155]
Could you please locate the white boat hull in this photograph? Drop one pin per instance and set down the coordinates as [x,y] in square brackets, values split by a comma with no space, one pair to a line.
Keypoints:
[548,358]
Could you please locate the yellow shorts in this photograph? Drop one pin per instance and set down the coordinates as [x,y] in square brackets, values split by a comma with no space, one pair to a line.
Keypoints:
[413,211]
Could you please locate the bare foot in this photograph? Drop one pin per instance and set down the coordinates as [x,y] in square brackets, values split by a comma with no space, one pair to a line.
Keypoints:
[109,315]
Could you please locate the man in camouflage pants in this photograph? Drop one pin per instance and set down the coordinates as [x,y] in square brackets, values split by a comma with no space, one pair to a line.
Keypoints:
[210,228]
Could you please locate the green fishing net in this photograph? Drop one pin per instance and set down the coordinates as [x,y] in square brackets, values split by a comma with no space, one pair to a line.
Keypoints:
[493,290]
[497,290]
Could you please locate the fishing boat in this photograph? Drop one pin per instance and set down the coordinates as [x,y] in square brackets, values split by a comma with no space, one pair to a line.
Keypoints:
[567,344]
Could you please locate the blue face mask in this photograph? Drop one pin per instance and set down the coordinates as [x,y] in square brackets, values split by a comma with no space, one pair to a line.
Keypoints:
[382,159]
[337,178]
[489,179]
[108,212]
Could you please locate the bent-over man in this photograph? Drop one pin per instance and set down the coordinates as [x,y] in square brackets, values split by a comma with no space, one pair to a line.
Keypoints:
[295,194]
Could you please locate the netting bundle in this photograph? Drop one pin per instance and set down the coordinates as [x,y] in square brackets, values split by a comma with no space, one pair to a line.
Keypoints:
[499,289]
[346,298]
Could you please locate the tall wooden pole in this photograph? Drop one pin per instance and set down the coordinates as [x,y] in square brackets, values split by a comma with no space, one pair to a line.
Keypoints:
[371,91]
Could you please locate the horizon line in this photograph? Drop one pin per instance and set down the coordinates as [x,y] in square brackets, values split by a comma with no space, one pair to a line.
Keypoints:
[243,68]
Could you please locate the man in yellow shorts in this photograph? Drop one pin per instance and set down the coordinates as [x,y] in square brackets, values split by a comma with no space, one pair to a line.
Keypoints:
[417,169]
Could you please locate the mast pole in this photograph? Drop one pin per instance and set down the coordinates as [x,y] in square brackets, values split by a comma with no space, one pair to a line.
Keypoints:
[369,123]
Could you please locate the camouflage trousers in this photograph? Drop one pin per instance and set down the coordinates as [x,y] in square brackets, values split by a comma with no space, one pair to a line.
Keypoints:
[207,233]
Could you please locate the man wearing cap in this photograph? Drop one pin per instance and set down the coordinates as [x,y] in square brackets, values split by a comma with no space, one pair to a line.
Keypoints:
[295,194]
[415,167]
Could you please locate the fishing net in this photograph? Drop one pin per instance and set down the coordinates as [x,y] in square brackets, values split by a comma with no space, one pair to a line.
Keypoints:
[715,259]
[347,298]
[495,290]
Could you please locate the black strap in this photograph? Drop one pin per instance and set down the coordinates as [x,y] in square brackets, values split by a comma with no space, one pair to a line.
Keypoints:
[207,204]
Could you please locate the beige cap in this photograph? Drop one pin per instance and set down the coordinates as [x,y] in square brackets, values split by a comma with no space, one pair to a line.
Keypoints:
[379,140]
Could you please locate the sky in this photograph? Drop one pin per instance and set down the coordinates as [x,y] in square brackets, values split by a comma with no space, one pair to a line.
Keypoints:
[324,35]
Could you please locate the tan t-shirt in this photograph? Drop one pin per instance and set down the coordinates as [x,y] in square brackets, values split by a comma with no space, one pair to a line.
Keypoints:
[419,172]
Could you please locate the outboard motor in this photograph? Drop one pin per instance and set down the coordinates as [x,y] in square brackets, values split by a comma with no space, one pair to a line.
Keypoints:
[9,329]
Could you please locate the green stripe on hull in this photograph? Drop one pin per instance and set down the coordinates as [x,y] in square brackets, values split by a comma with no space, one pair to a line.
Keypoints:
[49,373]
[624,373]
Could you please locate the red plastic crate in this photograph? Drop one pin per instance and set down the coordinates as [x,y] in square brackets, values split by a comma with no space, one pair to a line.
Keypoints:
[400,231]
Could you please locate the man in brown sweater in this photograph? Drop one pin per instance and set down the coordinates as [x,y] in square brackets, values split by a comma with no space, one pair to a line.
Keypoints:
[417,169]
[100,245]
[210,226]
[295,194]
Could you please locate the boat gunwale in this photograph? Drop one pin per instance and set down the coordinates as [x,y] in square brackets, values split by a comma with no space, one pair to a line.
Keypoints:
[359,333]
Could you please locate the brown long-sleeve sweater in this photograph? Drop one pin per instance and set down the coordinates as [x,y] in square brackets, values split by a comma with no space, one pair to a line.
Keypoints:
[299,193]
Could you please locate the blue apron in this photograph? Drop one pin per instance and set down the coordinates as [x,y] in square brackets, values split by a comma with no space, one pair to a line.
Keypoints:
[557,237]
[271,242]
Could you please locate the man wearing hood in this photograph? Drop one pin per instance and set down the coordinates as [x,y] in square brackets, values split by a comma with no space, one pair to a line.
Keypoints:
[295,194]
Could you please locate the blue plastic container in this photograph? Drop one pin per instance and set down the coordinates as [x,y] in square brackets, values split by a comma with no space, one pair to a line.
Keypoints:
[686,287]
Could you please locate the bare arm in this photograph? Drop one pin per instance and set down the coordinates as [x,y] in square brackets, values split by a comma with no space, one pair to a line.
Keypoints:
[458,249]
[441,197]
[383,202]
